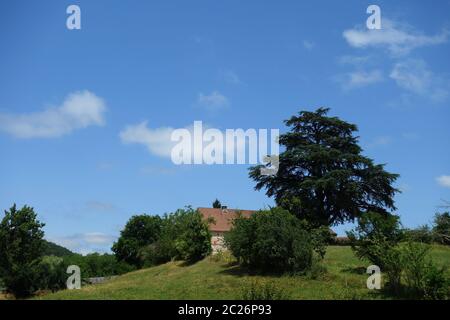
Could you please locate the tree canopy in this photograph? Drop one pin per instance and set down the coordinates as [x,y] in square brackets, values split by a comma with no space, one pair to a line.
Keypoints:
[323,176]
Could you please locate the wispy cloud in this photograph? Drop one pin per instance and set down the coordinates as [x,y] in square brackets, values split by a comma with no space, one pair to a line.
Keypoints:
[156,140]
[230,76]
[308,45]
[359,79]
[95,205]
[85,243]
[212,102]
[413,75]
[357,61]
[398,38]
[380,142]
[79,110]
[443,181]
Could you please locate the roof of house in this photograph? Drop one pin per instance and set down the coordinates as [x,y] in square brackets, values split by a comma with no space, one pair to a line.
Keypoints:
[223,218]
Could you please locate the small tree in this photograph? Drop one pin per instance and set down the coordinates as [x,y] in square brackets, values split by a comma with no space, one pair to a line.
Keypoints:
[194,241]
[21,245]
[376,238]
[216,204]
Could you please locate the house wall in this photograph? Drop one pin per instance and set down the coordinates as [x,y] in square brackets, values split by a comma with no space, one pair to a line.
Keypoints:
[217,242]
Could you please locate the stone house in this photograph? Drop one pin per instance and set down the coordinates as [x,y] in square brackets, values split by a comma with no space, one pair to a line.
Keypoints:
[222,223]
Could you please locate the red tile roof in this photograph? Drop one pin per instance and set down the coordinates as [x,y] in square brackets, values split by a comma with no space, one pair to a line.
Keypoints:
[223,218]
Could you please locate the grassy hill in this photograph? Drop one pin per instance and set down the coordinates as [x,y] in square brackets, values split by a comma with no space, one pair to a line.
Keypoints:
[212,279]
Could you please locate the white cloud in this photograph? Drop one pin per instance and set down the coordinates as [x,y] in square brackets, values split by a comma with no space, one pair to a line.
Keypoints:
[85,243]
[443,181]
[79,110]
[309,45]
[212,102]
[380,142]
[357,61]
[397,38]
[230,76]
[100,206]
[156,140]
[414,76]
[358,79]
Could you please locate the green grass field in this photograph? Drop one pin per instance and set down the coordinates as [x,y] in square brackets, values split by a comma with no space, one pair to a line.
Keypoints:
[211,279]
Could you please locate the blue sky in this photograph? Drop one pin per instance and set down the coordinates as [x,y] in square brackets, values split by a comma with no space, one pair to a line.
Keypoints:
[68,96]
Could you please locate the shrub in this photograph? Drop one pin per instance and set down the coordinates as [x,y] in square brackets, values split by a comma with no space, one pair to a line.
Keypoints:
[273,240]
[423,278]
[263,290]
[376,238]
[51,273]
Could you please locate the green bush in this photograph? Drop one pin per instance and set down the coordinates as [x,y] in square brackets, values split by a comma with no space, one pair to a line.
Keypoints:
[423,278]
[51,273]
[273,241]
[263,290]
[376,238]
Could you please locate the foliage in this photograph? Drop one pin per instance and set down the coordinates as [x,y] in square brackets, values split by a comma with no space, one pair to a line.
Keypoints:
[140,231]
[183,235]
[322,176]
[272,240]
[216,204]
[194,241]
[209,279]
[52,249]
[50,273]
[441,228]
[263,290]
[21,245]
[421,234]
[375,238]
[423,278]
[97,265]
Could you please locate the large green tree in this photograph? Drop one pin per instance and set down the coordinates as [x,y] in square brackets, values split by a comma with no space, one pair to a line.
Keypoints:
[21,246]
[323,176]
[140,231]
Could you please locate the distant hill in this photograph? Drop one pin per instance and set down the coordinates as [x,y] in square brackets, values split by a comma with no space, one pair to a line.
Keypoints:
[52,249]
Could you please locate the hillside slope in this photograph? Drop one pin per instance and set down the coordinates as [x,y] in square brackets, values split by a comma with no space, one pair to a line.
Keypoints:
[209,279]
